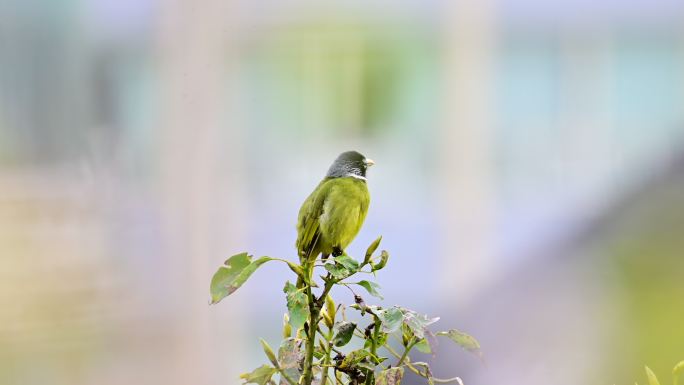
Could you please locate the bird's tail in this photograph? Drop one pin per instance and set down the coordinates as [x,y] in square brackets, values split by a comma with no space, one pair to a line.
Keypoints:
[307,257]
[307,267]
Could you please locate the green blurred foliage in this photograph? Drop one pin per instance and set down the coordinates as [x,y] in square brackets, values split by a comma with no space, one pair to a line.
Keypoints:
[649,264]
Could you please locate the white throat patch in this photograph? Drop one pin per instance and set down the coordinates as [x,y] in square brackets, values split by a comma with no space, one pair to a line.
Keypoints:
[355,176]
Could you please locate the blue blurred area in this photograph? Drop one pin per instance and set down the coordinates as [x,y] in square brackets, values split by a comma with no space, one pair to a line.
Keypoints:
[528,176]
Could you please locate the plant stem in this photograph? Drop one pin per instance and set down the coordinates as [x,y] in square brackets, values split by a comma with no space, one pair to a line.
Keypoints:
[318,304]
[370,376]
[410,344]
[314,313]
[326,358]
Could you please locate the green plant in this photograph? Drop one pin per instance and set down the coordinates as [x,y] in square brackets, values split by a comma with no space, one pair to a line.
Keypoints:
[676,372]
[316,330]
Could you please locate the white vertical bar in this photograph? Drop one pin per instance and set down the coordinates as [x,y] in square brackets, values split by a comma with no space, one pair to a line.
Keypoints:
[465,149]
[202,179]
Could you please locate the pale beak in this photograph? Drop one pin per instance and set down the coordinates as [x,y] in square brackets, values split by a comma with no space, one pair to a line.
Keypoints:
[369,162]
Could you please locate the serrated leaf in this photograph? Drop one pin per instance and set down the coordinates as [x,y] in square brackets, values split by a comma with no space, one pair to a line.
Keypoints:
[234,272]
[289,356]
[297,305]
[391,319]
[464,340]
[337,271]
[347,261]
[353,358]
[371,249]
[342,267]
[371,287]
[343,333]
[652,379]
[261,375]
[418,323]
[392,376]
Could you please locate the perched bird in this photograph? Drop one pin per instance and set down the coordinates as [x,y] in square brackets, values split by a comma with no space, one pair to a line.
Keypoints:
[332,215]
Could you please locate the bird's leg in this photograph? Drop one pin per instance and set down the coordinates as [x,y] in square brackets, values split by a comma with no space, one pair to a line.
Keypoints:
[337,251]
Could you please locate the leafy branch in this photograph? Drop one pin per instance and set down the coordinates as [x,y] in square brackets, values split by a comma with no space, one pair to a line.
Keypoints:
[315,329]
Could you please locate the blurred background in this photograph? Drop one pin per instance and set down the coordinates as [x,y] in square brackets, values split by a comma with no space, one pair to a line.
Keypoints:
[529,181]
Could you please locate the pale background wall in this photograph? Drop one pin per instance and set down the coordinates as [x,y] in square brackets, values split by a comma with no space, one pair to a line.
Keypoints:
[526,178]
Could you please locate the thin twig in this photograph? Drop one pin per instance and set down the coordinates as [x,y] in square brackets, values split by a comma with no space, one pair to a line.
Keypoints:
[407,349]
[418,372]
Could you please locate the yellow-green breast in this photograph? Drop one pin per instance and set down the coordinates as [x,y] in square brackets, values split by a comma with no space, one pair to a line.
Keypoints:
[331,216]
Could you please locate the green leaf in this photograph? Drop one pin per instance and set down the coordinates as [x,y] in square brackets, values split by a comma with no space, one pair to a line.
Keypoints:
[371,249]
[330,311]
[343,333]
[676,371]
[296,305]
[365,365]
[234,272]
[384,257]
[287,328]
[353,358]
[261,375]
[406,335]
[423,346]
[226,275]
[391,319]
[379,342]
[289,356]
[348,262]
[297,269]
[269,352]
[418,323]
[464,340]
[390,376]
[342,267]
[338,272]
[371,287]
[652,379]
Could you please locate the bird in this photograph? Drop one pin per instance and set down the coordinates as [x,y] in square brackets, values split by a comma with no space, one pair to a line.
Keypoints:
[332,215]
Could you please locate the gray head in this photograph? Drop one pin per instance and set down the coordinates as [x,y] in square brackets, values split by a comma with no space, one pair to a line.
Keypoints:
[350,164]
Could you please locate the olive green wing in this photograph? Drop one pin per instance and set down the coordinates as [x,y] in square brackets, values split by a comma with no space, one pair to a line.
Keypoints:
[308,225]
